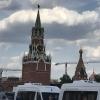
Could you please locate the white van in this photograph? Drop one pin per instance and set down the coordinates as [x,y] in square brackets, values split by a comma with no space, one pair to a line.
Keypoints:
[32,91]
[80,90]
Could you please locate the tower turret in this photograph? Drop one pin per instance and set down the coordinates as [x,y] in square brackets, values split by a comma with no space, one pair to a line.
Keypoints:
[80,73]
[92,76]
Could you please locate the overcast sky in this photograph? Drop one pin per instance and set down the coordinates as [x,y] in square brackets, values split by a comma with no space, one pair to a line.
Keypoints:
[69,25]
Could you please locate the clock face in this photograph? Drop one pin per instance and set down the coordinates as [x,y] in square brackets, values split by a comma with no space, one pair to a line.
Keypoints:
[40,48]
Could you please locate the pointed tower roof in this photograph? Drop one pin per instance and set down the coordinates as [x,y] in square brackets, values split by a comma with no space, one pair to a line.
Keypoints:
[38,21]
[92,76]
[80,72]
[80,62]
[93,71]
[37,30]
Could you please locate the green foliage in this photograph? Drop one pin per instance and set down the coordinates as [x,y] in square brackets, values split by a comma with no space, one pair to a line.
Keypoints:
[97,78]
[65,79]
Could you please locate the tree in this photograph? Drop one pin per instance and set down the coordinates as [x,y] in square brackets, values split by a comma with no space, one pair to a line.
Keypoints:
[97,77]
[65,79]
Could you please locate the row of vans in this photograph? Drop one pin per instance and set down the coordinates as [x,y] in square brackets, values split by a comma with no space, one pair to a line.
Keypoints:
[78,90]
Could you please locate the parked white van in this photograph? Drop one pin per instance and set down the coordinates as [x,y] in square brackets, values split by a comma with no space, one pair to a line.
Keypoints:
[31,91]
[80,90]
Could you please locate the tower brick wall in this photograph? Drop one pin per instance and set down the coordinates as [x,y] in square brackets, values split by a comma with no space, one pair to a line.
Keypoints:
[36,72]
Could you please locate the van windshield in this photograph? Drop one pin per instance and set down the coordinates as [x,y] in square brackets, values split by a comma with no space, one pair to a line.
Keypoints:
[10,95]
[80,95]
[50,96]
[25,95]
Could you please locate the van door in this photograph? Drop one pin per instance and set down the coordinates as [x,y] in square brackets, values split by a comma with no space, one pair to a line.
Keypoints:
[38,96]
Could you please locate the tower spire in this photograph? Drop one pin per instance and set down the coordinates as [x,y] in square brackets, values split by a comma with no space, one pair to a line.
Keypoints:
[38,21]
[80,62]
[80,72]
[81,51]
[92,76]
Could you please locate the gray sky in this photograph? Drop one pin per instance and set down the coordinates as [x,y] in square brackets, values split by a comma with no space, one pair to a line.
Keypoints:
[69,25]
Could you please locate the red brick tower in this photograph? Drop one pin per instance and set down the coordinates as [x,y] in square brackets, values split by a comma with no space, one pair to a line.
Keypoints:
[36,64]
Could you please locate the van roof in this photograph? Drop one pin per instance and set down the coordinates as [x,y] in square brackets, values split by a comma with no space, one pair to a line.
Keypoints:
[82,85]
[41,88]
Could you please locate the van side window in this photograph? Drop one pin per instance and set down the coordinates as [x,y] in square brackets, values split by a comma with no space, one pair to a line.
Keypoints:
[38,96]
[25,95]
[80,95]
[50,96]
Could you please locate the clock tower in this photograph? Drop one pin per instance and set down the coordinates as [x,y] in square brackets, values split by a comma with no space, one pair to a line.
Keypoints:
[36,65]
